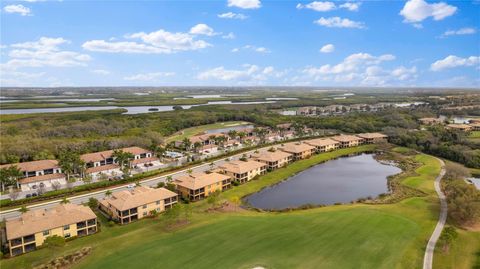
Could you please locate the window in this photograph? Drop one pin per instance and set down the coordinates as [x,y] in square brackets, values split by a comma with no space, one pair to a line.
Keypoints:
[66,227]
[67,235]
[144,214]
[158,202]
[45,233]
[144,206]
[158,209]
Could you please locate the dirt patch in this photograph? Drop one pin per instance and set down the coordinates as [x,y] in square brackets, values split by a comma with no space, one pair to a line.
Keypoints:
[225,207]
[67,261]
[473,227]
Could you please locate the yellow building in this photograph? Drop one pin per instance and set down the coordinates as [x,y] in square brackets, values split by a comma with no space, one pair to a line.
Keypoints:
[370,138]
[299,150]
[347,141]
[130,205]
[200,185]
[323,144]
[274,160]
[32,228]
[241,171]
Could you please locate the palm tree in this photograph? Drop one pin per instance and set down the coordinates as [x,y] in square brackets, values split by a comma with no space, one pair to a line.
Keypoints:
[241,135]
[64,201]
[157,150]
[123,158]
[197,145]
[232,134]
[108,193]
[189,172]
[169,179]
[23,209]
[186,143]
[10,176]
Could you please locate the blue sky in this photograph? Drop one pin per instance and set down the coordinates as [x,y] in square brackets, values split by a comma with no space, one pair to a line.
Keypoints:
[240,42]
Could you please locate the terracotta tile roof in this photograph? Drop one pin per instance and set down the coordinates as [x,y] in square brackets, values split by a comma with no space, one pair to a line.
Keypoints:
[40,220]
[284,125]
[372,135]
[210,146]
[240,167]
[459,126]
[204,137]
[136,150]
[34,166]
[199,180]
[41,178]
[123,200]
[102,168]
[296,147]
[268,156]
[346,138]
[96,156]
[144,160]
[321,142]
[477,124]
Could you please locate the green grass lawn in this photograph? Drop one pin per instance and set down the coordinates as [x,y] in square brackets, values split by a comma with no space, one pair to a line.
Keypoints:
[345,236]
[199,129]
[474,134]
[464,252]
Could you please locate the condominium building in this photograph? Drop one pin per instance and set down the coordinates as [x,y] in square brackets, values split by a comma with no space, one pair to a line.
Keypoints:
[274,159]
[39,174]
[323,144]
[241,171]
[129,205]
[430,121]
[299,150]
[65,220]
[370,138]
[347,141]
[460,127]
[197,186]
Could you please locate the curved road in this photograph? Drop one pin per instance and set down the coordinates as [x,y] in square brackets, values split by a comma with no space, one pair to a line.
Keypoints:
[428,258]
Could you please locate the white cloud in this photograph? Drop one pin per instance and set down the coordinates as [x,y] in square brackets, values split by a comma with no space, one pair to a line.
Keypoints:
[231,15]
[245,4]
[415,11]
[462,31]
[229,36]
[352,6]
[252,48]
[202,29]
[44,52]
[327,48]
[19,9]
[149,76]
[101,72]
[19,79]
[360,69]
[156,42]
[337,22]
[318,6]
[453,61]
[249,73]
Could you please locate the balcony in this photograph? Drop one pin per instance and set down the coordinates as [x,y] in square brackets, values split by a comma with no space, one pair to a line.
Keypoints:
[91,222]
[81,225]
[28,239]
[16,242]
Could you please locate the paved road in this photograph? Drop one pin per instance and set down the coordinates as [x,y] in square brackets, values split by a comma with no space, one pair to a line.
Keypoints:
[428,258]
[14,213]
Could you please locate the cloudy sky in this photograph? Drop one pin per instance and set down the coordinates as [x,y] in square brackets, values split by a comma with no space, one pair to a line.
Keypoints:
[240,42]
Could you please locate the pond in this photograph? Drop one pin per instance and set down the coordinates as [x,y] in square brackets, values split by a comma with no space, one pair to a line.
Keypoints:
[337,181]
[475,181]
[457,119]
[130,109]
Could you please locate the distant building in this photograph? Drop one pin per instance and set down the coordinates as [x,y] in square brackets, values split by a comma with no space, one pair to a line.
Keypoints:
[39,174]
[30,231]
[370,138]
[460,127]
[197,186]
[323,144]
[241,171]
[475,126]
[208,149]
[430,121]
[130,205]
[299,150]
[347,141]
[274,160]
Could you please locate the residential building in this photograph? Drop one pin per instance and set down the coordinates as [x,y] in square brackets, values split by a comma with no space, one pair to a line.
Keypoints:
[274,159]
[65,220]
[39,174]
[347,141]
[241,171]
[370,138]
[208,149]
[103,162]
[460,127]
[323,144]
[430,121]
[299,150]
[197,186]
[475,126]
[129,205]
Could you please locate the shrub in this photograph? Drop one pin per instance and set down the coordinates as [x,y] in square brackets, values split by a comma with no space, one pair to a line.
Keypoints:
[160,184]
[111,223]
[54,241]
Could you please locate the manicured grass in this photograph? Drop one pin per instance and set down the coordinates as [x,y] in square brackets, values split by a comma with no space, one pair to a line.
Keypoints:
[463,254]
[199,129]
[346,236]
[474,134]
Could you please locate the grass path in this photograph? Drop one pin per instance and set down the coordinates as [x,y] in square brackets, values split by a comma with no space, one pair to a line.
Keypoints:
[346,236]
[199,129]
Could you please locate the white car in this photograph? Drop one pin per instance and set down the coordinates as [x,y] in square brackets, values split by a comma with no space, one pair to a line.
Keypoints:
[130,186]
